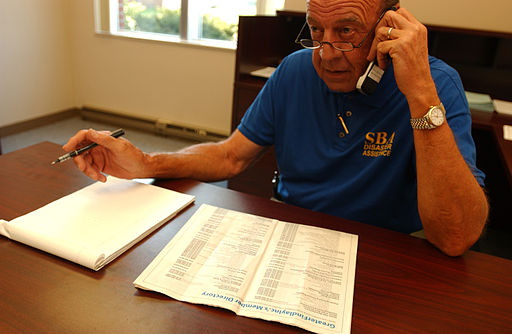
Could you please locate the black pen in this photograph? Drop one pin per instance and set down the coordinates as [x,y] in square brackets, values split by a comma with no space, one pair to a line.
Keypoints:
[116,134]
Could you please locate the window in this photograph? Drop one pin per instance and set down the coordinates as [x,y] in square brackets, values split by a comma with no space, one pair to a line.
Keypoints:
[212,21]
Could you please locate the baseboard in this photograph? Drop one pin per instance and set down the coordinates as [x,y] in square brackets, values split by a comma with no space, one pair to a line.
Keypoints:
[118,119]
[156,126]
[38,121]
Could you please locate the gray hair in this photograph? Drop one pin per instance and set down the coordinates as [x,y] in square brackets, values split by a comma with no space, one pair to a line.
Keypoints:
[385,3]
[389,3]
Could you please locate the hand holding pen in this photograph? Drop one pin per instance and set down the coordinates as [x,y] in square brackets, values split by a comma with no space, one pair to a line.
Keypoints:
[112,156]
[115,134]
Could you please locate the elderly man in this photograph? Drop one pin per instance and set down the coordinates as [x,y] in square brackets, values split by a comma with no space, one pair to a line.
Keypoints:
[401,158]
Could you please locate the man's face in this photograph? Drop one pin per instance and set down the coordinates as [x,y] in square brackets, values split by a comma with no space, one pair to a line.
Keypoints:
[346,21]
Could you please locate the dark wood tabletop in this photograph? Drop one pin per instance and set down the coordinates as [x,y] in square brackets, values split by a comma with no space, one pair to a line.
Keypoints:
[402,283]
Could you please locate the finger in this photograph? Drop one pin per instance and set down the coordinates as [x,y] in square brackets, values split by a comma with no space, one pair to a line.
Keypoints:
[392,19]
[104,138]
[76,141]
[401,19]
[383,34]
[373,50]
[95,165]
[383,53]
[85,165]
[388,32]
[387,37]
[407,15]
[84,137]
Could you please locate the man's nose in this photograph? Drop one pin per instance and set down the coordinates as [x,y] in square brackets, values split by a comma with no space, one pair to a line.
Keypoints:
[328,51]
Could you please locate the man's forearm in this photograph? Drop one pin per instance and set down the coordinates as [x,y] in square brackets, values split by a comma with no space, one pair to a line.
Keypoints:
[206,162]
[452,206]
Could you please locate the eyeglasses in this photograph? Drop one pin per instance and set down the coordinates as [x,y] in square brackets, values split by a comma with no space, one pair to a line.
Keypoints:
[338,45]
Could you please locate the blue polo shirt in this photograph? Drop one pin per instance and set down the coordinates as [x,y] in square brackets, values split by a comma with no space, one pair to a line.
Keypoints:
[367,175]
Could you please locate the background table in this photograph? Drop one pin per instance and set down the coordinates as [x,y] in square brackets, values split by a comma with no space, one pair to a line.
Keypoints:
[492,121]
[403,284]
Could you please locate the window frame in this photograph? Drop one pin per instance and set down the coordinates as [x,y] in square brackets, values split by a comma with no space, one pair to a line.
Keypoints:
[106,23]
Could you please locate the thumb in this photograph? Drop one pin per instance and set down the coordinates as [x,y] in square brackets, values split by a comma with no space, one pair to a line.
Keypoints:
[373,52]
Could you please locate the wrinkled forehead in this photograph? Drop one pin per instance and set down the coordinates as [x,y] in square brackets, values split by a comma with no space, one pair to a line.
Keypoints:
[363,11]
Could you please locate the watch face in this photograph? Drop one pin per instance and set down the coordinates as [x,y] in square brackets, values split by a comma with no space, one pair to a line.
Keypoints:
[437,116]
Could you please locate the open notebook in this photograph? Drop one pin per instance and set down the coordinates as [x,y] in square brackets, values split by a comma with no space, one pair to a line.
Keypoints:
[96,224]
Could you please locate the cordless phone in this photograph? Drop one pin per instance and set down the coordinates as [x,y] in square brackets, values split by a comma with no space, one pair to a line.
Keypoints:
[368,82]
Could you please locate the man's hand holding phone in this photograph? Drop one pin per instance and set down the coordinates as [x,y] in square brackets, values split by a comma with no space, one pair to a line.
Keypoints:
[401,37]
[368,82]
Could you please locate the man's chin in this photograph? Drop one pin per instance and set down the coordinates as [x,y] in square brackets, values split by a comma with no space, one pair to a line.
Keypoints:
[342,87]
[343,82]
[338,81]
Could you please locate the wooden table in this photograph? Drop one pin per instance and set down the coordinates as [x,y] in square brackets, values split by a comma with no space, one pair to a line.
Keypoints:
[403,284]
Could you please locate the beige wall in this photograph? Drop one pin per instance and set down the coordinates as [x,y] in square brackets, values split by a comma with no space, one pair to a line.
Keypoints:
[189,85]
[35,59]
[295,5]
[491,15]
[52,59]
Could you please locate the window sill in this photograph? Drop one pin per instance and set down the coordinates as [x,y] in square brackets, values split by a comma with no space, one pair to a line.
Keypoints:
[163,38]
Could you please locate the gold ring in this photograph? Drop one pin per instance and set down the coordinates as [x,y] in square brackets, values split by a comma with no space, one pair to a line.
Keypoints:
[389,32]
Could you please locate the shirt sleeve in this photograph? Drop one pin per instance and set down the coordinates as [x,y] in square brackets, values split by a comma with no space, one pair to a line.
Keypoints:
[258,123]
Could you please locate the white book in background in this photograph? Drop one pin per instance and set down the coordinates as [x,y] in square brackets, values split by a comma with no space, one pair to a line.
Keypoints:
[261,268]
[478,98]
[264,72]
[507,132]
[96,224]
[504,107]
[479,101]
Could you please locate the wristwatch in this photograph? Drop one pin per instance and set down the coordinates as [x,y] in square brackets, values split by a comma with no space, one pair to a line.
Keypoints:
[433,118]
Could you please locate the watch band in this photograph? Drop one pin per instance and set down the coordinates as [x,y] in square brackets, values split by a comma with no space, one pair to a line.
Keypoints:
[421,123]
[425,122]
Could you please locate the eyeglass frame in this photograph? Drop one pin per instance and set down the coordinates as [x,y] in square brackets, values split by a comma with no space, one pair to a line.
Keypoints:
[321,43]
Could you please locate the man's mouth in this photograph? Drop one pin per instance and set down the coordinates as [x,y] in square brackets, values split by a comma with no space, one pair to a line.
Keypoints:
[334,72]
